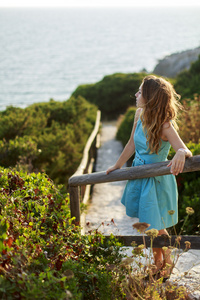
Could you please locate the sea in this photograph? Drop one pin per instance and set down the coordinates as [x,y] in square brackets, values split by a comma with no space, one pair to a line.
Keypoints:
[45,53]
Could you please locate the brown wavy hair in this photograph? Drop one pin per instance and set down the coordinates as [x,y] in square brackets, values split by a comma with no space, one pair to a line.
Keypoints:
[161,105]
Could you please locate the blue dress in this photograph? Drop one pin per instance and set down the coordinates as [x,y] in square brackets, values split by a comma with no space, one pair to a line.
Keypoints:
[150,199]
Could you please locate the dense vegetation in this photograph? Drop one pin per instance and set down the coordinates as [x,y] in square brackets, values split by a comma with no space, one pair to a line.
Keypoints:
[112,94]
[189,124]
[42,254]
[126,125]
[47,137]
[187,82]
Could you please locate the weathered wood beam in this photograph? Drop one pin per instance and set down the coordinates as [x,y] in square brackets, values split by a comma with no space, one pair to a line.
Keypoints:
[84,166]
[150,170]
[88,145]
[161,241]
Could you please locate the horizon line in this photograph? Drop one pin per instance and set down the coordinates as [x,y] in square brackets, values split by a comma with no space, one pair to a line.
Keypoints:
[105,6]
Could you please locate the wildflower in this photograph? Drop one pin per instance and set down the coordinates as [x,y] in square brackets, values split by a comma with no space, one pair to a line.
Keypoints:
[141,246]
[187,244]
[152,269]
[127,261]
[141,226]
[178,239]
[140,265]
[138,250]
[165,249]
[171,212]
[133,244]
[153,233]
[189,211]
[168,265]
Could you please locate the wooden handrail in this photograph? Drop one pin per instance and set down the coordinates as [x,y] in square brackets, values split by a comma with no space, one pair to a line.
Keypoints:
[150,170]
[86,165]
[85,159]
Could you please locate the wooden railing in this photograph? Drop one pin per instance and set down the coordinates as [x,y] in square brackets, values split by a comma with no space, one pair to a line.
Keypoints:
[79,181]
[86,166]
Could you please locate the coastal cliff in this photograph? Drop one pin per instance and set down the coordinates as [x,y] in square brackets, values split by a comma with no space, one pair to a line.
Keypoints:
[173,64]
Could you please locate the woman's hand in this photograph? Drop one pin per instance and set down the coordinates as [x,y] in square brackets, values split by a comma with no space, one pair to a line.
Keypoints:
[112,168]
[178,162]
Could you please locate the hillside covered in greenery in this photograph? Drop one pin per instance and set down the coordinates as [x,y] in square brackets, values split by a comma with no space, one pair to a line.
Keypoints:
[187,82]
[112,94]
[48,137]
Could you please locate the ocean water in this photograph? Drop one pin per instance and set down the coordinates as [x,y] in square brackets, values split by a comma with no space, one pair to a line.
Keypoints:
[47,53]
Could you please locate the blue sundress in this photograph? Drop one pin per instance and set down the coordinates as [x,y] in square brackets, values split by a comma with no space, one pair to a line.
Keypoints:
[150,199]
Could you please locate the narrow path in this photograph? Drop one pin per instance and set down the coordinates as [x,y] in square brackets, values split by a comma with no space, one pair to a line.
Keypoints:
[106,197]
[105,206]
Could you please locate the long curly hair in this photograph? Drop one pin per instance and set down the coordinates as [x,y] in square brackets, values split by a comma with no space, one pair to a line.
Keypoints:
[161,105]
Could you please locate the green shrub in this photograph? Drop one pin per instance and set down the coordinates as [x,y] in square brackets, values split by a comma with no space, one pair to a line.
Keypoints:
[189,121]
[187,82]
[17,121]
[48,137]
[112,93]
[12,151]
[189,194]
[42,254]
[126,126]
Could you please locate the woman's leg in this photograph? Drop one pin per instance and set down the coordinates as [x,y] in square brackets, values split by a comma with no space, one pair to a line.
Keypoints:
[160,257]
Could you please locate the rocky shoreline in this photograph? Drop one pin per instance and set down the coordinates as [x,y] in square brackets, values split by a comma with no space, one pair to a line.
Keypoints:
[173,64]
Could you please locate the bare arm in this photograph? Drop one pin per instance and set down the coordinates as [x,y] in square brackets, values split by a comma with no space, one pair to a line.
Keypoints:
[178,161]
[129,149]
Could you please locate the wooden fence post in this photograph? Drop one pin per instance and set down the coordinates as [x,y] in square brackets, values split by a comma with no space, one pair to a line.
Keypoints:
[75,204]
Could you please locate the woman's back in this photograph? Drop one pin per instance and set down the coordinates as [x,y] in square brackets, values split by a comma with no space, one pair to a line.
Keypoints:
[142,150]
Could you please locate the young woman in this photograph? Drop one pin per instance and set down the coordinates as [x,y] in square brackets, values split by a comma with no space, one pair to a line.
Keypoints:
[154,131]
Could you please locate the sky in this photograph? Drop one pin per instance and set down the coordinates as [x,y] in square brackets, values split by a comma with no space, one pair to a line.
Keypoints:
[96,3]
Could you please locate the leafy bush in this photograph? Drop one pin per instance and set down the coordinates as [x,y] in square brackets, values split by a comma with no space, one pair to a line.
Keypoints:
[188,183]
[126,125]
[189,121]
[42,254]
[187,82]
[47,137]
[189,195]
[112,93]
[12,150]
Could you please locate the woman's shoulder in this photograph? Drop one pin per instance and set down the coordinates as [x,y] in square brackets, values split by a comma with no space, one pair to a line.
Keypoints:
[167,129]
[167,125]
[138,113]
